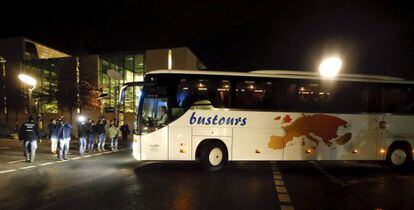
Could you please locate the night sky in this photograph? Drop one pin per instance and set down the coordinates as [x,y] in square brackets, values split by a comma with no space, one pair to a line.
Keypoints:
[371,36]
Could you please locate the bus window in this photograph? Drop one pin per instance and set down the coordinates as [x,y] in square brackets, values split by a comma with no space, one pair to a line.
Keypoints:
[314,96]
[189,91]
[250,94]
[392,99]
[370,98]
[154,113]
[409,100]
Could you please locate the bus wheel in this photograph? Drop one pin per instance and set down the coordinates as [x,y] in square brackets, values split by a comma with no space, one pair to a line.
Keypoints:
[399,156]
[213,156]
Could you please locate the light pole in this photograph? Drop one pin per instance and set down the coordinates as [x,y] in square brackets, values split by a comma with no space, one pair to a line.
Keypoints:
[3,65]
[329,67]
[28,80]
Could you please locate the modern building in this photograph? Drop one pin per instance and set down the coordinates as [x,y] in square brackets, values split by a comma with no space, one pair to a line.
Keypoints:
[70,85]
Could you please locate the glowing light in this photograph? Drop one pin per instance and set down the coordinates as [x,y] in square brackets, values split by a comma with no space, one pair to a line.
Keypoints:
[354,151]
[28,79]
[382,151]
[308,151]
[81,118]
[330,67]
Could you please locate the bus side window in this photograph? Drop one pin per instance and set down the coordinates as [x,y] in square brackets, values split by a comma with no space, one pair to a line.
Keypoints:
[409,100]
[392,100]
[191,90]
[250,94]
[370,98]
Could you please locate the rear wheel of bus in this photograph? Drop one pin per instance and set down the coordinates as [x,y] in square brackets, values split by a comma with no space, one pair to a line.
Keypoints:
[213,156]
[399,155]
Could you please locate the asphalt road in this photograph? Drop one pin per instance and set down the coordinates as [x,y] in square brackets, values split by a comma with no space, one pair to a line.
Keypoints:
[113,180]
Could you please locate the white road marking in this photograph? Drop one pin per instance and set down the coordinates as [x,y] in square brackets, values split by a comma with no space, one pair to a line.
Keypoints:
[4,147]
[75,158]
[7,171]
[98,154]
[282,192]
[284,207]
[17,161]
[27,167]
[48,163]
[281,189]
[86,156]
[284,197]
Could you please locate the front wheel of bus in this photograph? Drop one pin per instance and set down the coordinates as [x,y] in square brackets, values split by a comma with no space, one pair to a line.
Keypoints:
[213,156]
[398,157]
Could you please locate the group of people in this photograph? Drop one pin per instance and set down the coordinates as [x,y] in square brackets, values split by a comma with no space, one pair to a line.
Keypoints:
[90,134]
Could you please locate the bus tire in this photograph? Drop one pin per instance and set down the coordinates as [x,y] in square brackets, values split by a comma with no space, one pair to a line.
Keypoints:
[213,156]
[399,155]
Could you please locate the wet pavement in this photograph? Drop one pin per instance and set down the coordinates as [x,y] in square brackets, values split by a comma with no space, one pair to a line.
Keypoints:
[113,180]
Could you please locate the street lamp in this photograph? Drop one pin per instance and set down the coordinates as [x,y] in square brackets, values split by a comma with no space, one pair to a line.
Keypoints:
[330,67]
[28,80]
[3,82]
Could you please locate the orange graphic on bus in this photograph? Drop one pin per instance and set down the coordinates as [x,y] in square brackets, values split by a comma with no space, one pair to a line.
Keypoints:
[316,128]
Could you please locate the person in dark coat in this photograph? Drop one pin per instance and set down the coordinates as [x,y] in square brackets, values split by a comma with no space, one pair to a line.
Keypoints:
[125,132]
[101,132]
[64,136]
[29,133]
[82,135]
[53,136]
[91,135]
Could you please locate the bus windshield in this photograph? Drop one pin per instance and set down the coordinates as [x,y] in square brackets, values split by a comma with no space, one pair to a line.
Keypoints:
[154,112]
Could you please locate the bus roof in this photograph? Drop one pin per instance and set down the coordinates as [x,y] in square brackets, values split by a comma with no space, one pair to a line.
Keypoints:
[291,75]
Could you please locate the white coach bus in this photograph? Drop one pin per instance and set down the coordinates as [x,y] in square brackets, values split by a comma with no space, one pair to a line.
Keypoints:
[215,117]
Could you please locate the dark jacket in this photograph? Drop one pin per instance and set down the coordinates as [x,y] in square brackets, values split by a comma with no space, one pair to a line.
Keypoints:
[64,131]
[100,128]
[29,132]
[53,131]
[82,130]
[125,129]
[91,129]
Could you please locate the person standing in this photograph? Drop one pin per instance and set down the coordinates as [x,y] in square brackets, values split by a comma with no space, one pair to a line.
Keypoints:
[53,136]
[82,135]
[113,135]
[100,130]
[29,133]
[125,132]
[64,135]
[91,135]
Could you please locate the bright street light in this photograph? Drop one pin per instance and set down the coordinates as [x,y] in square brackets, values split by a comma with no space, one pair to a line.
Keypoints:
[28,80]
[330,67]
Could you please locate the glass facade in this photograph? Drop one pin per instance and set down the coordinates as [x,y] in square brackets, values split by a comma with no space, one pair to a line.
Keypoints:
[131,67]
[45,95]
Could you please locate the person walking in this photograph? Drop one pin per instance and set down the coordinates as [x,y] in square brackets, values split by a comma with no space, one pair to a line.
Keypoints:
[113,135]
[82,135]
[53,136]
[125,132]
[64,135]
[100,130]
[29,133]
[91,135]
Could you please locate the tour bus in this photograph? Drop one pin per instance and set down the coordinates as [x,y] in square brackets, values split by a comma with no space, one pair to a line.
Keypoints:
[214,117]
